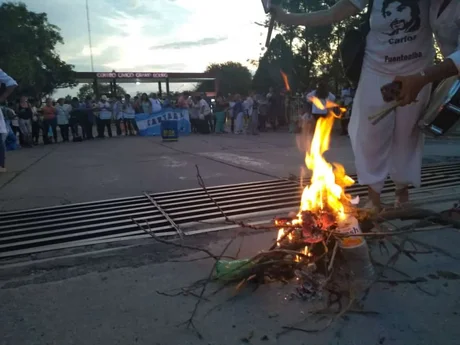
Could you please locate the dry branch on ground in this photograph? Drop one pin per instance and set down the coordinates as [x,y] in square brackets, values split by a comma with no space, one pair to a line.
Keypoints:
[321,271]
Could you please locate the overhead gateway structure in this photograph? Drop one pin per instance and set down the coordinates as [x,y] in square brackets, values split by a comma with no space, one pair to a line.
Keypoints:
[113,78]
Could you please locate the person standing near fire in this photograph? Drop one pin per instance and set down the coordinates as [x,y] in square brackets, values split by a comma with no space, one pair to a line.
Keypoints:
[322,93]
[400,41]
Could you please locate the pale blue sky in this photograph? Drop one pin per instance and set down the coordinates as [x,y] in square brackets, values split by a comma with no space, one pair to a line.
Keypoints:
[156,35]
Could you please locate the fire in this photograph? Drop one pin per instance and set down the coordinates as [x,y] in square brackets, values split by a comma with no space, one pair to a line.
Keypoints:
[323,201]
[326,191]
[280,236]
[285,80]
[305,252]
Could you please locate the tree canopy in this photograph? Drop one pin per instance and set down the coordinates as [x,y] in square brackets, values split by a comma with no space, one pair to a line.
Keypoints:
[28,51]
[277,58]
[233,78]
[104,89]
[304,54]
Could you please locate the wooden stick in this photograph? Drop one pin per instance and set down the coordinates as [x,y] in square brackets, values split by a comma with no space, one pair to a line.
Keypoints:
[271,25]
[376,118]
[334,252]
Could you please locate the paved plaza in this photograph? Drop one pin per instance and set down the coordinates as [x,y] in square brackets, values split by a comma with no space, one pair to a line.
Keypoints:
[110,296]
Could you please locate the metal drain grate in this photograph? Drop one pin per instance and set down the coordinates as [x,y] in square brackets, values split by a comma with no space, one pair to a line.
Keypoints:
[35,230]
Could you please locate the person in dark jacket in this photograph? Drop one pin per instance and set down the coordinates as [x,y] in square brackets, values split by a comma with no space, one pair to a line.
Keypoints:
[88,119]
[76,114]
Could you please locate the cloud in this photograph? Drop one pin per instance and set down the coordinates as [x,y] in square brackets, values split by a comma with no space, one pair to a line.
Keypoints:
[190,44]
[156,35]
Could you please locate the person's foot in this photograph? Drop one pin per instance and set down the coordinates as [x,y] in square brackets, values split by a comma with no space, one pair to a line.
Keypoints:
[373,202]
[401,196]
[2,170]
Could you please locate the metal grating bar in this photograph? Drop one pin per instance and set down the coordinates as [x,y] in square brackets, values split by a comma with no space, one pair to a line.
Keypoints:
[36,230]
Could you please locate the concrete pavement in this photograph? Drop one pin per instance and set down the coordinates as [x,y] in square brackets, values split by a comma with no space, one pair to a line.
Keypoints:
[110,297]
[113,298]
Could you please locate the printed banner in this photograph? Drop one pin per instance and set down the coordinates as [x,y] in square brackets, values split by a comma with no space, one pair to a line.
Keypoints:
[150,124]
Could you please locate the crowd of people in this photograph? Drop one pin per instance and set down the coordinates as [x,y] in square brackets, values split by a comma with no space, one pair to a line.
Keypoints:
[312,111]
[72,119]
[28,122]
[32,122]
[236,113]
[77,119]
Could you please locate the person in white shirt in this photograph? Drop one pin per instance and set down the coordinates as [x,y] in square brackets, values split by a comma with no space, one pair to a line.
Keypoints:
[347,95]
[205,115]
[129,115]
[445,22]
[156,104]
[10,85]
[399,42]
[247,106]
[252,111]
[63,117]
[322,93]
[105,117]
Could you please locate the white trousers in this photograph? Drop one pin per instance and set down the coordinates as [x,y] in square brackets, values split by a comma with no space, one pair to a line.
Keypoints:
[25,126]
[239,122]
[391,147]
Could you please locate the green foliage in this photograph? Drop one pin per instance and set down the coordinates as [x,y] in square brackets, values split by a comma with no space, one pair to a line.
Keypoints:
[233,78]
[104,89]
[28,51]
[312,51]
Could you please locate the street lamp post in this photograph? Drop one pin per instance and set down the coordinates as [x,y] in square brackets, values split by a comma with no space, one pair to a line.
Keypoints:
[89,37]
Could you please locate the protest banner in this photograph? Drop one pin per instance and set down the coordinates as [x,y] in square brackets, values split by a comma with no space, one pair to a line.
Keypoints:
[150,124]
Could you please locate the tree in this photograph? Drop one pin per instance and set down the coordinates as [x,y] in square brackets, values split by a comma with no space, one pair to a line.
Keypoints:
[313,51]
[104,89]
[232,78]
[277,58]
[29,54]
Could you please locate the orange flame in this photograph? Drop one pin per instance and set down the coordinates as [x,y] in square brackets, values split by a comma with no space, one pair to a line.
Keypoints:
[285,80]
[305,252]
[280,235]
[327,188]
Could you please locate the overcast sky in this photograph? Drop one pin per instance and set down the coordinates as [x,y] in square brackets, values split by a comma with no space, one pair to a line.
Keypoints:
[155,35]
